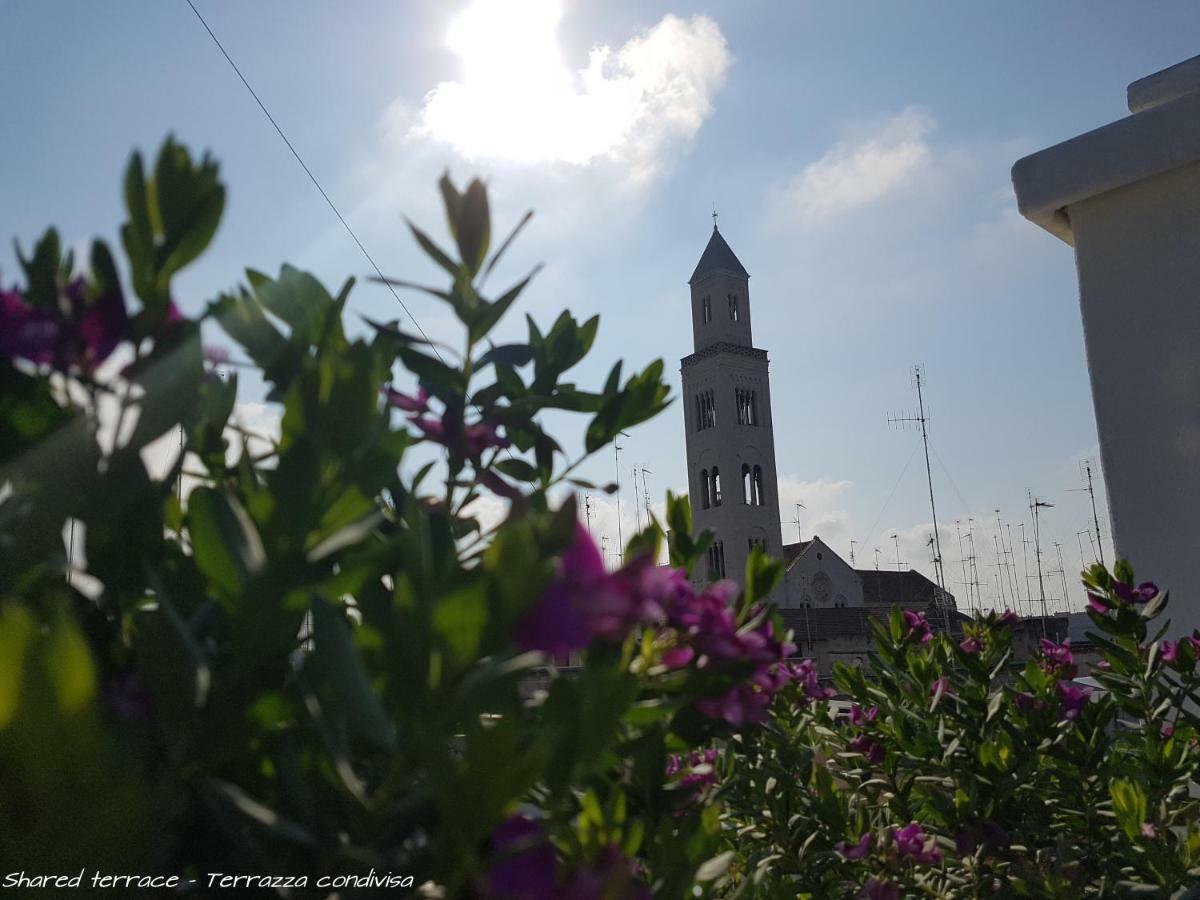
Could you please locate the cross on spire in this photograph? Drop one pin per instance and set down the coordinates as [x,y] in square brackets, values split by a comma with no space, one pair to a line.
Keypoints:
[714,215]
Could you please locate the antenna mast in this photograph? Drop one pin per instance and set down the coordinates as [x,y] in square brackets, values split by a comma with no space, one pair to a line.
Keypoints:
[852,543]
[1091,491]
[896,541]
[637,507]
[1034,505]
[587,510]
[617,448]
[923,420]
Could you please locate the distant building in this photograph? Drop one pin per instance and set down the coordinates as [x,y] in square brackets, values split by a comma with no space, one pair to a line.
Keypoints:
[734,485]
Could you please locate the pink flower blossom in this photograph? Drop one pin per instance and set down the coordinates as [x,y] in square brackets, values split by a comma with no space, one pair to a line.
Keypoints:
[868,747]
[911,842]
[971,646]
[1168,651]
[1057,658]
[918,627]
[411,403]
[79,334]
[860,717]
[1149,831]
[805,673]
[1147,590]
[940,686]
[1008,617]
[1098,603]
[741,705]
[855,851]
[1073,698]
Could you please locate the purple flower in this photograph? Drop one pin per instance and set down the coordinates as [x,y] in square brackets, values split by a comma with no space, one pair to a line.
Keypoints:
[1008,617]
[612,874]
[1149,831]
[805,673]
[857,851]
[868,747]
[689,778]
[859,717]
[1028,704]
[418,403]
[678,657]
[918,628]
[1073,698]
[526,867]
[1168,651]
[80,334]
[1147,590]
[911,842]
[584,601]
[1098,603]
[1057,658]
[740,705]
[971,646]
[940,686]
[875,889]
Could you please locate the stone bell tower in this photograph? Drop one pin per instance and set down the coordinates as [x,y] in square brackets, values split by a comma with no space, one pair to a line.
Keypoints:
[727,418]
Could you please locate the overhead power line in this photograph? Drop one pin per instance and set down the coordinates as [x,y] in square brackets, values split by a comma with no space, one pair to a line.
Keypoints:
[312,177]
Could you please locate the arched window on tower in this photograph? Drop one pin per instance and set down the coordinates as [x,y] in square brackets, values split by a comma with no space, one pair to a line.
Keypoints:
[704,489]
[747,487]
[757,486]
[733,307]
[716,486]
[706,307]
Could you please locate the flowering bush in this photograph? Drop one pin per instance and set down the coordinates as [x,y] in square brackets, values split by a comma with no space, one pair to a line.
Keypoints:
[312,662]
[316,662]
[959,773]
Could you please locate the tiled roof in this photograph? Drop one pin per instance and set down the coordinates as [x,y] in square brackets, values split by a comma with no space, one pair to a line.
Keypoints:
[910,589]
[718,257]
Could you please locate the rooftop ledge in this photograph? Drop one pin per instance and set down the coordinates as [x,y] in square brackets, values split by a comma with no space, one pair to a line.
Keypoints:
[1163,133]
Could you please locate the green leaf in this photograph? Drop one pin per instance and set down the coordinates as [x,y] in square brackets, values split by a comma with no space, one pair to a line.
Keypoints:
[469,219]
[190,200]
[16,629]
[297,298]
[1129,805]
[42,270]
[338,669]
[489,314]
[460,619]
[224,540]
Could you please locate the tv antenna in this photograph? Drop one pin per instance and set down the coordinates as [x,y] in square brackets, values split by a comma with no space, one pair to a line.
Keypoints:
[796,522]
[1062,574]
[962,558]
[1036,504]
[587,510]
[918,373]
[852,543]
[876,559]
[617,448]
[1085,469]
[637,507]
[896,541]
[646,494]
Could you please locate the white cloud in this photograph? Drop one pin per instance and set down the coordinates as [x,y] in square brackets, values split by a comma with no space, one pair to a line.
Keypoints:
[518,101]
[824,513]
[855,174]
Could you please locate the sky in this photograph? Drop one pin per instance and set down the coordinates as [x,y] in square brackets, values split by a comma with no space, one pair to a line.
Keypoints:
[858,156]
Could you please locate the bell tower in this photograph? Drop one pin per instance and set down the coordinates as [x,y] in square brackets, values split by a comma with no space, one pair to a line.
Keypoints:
[727,418]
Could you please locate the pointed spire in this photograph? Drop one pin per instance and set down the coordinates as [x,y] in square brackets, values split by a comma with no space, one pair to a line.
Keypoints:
[718,257]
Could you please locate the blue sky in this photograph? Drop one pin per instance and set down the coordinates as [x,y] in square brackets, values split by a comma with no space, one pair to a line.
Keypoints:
[858,155]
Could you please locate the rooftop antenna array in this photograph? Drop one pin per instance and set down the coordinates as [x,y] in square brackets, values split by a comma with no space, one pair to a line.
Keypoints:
[796,522]
[587,510]
[646,494]
[918,374]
